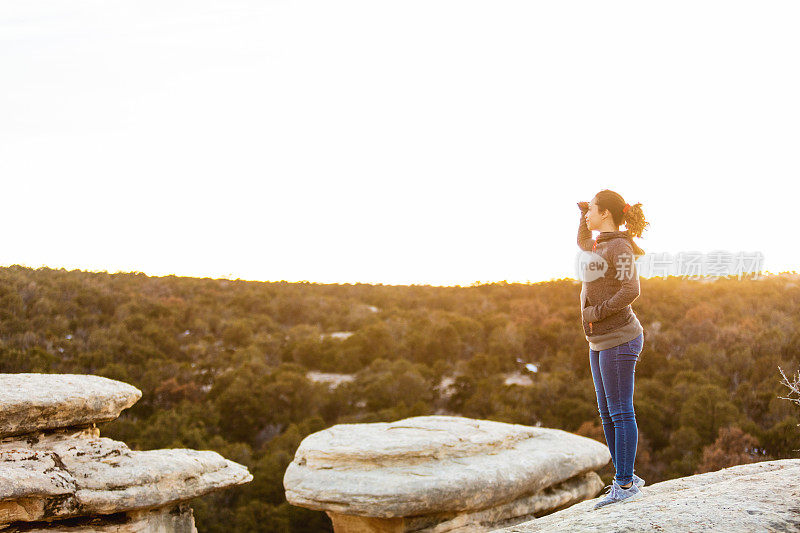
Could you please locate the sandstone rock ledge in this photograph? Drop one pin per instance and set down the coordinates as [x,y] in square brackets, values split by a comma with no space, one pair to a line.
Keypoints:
[757,497]
[439,474]
[58,474]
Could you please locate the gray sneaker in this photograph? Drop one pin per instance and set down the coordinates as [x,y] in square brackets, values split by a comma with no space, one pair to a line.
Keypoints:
[618,494]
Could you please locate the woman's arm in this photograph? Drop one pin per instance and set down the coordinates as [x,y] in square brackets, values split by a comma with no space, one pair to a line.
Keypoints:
[625,263]
[585,240]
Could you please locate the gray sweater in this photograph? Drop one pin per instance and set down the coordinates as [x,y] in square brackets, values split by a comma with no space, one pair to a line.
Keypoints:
[606,313]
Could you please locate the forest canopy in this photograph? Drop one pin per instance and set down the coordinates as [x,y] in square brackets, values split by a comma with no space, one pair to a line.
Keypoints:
[249,369]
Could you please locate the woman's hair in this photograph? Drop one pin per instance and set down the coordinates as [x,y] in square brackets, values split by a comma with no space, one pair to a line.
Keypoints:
[633,219]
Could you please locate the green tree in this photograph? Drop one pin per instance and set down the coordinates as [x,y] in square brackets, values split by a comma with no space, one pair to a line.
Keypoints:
[707,409]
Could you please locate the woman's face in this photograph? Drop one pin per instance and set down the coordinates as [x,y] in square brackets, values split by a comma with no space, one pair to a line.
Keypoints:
[593,217]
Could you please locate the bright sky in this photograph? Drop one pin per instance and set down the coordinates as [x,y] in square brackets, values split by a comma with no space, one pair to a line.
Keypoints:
[441,142]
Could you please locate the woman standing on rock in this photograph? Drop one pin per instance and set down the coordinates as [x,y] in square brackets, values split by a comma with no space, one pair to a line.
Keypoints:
[614,333]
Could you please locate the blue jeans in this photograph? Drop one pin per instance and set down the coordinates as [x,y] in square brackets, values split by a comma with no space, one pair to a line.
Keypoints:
[612,372]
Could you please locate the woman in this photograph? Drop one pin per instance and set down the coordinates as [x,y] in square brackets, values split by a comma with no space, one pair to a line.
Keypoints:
[614,333]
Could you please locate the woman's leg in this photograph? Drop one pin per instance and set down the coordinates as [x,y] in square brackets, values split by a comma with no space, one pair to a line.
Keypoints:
[602,406]
[617,368]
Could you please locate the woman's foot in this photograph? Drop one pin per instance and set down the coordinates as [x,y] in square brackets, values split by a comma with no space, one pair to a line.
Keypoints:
[619,494]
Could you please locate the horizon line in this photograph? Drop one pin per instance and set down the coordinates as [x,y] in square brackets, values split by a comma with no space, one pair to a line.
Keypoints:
[229,277]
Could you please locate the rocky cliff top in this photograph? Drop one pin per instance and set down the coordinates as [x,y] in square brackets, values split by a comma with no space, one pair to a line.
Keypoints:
[761,496]
[54,465]
[432,474]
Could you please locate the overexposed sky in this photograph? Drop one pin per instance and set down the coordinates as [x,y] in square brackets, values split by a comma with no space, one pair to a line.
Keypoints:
[440,142]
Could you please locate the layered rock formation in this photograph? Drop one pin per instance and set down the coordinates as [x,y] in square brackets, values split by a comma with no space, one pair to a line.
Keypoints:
[756,497]
[441,473]
[58,474]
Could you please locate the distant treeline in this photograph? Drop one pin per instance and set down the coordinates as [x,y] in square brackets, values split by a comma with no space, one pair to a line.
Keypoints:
[223,365]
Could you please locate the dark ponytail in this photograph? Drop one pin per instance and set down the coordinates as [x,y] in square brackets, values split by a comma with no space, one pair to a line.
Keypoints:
[633,218]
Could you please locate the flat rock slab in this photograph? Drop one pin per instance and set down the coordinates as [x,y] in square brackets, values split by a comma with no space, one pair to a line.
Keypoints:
[433,464]
[69,473]
[36,402]
[757,497]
